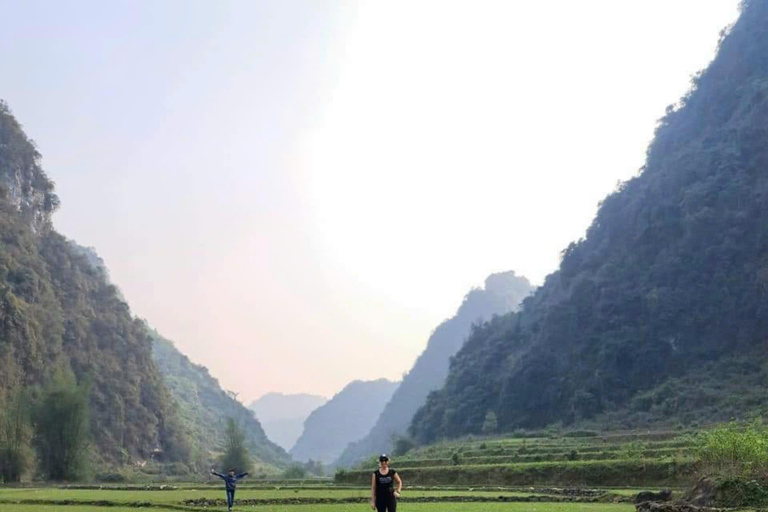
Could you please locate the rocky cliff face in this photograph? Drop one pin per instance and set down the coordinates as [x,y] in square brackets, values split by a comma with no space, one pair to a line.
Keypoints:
[24,183]
[59,313]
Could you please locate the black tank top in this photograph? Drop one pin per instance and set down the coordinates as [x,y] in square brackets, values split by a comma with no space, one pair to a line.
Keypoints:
[384,483]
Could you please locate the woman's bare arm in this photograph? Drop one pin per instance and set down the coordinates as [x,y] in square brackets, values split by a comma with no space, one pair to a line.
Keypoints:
[399,483]
[373,490]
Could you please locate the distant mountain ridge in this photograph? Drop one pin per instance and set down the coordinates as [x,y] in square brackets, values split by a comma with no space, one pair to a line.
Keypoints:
[283,415]
[347,416]
[659,315]
[502,293]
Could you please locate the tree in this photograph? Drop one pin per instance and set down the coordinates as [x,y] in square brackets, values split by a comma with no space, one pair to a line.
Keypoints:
[62,428]
[15,435]
[491,423]
[315,467]
[235,452]
[401,444]
[295,472]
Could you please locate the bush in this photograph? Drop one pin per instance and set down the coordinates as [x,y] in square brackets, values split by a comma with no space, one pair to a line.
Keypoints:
[177,469]
[632,451]
[111,477]
[295,472]
[581,433]
[740,493]
[734,451]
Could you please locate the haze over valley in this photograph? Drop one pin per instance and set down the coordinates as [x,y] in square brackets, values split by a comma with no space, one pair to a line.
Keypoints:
[518,250]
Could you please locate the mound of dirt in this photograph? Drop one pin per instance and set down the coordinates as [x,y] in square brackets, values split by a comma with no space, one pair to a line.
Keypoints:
[664,495]
[703,493]
[678,506]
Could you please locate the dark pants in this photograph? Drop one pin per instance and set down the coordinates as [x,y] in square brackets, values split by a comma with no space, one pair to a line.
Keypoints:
[386,503]
[230,498]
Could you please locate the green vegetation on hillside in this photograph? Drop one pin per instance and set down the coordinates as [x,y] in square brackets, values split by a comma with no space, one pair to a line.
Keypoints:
[502,293]
[59,312]
[205,408]
[671,277]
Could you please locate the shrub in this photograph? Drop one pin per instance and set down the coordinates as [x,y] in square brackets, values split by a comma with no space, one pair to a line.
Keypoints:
[111,477]
[581,433]
[734,451]
[295,472]
[177,469]
[632,451]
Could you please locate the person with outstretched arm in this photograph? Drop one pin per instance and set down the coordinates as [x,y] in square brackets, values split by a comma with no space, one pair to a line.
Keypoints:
[230,482]
[383,493]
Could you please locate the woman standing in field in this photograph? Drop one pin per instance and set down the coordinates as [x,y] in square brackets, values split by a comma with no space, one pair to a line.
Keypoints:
[383,495]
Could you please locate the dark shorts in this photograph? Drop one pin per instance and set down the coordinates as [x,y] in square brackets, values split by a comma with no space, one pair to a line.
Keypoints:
[386,503]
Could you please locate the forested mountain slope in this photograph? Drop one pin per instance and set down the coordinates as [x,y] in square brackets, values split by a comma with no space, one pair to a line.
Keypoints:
[204,407]
[349,415]
[502,293]
[283,415]
[650,315]
[59,314]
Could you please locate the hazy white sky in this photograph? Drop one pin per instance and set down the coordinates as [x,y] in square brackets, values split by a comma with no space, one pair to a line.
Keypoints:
[297,192]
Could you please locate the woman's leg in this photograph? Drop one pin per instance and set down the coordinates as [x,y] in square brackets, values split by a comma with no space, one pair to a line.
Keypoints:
[388,504]
[230,498]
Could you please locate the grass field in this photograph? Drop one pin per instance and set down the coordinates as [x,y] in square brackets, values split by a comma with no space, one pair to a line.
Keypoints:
[270,499]
[414,507]
[177,496]
[469,475]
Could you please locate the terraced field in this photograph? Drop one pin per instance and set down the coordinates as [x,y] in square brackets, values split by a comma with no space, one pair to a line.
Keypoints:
[625,459]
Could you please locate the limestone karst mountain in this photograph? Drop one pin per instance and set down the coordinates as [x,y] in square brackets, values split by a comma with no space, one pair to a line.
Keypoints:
[349,415]
[283,415]
[501,294]
[659,314]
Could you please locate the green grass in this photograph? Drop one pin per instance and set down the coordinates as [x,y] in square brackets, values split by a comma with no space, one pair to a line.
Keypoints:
[177,496]
[413,507]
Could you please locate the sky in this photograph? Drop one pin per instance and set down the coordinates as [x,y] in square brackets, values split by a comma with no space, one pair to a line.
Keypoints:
[297,192]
